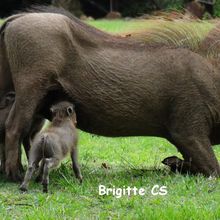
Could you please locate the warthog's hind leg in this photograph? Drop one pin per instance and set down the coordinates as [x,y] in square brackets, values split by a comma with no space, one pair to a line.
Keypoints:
[198,155]
[190,124]
[36,126]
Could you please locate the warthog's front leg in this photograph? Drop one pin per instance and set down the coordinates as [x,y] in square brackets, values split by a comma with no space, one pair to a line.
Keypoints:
[19,122]
[35,128]
[198,155]
[12,145]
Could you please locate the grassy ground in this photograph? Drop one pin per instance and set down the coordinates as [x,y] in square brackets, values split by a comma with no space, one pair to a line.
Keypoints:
[122,26]
[131,162]
[140,25]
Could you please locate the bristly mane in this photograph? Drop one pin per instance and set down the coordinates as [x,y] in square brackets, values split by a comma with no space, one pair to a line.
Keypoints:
[56,10]
[114,40]
[206,41]
[211,43]
[182,35]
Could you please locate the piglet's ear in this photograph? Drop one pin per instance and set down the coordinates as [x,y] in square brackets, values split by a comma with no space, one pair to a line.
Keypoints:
[69,110]
[52,109]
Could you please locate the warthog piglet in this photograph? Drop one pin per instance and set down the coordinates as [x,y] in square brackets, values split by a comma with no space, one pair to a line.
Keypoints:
[53,144]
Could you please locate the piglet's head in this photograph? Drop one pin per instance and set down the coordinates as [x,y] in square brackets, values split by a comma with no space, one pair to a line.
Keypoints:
[64,110]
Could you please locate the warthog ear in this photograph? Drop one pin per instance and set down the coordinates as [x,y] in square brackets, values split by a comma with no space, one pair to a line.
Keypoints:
[69,110]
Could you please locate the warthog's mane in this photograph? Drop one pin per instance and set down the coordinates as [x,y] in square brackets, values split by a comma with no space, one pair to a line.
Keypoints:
[203,39]
[113,40]
[56,10]
[200,38]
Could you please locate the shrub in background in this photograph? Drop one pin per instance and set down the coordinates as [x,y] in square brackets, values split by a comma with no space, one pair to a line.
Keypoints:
[171,4]
[136,8]
[217,8]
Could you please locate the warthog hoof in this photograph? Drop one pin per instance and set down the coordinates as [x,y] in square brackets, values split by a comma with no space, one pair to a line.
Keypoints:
[178,165]
[2,168]
[173,162]
[45,188]
[23,188]
[14,176]
[38,179]
[80,178]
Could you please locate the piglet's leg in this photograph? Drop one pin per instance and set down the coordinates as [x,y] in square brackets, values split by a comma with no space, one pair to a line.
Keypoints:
[49,164]
[40,172]
[35,156]
[31,168]
[75,165]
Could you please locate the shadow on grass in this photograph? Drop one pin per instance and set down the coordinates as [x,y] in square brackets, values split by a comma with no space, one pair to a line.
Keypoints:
[116,173]
[98,172]
[93,175]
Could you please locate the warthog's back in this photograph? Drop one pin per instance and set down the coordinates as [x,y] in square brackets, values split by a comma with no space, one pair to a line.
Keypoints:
[119,87]
[37,37]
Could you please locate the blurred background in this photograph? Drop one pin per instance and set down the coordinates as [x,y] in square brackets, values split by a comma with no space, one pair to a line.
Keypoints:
[93,9]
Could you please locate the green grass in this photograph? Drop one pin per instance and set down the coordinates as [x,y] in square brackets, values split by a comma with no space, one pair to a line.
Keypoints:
[142,25]
[132,162]
[122,26]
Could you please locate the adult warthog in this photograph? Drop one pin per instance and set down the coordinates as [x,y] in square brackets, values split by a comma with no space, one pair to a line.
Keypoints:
[120,87]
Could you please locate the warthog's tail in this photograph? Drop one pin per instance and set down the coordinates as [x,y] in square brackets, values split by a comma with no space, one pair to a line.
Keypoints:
[43,143]
[47,145]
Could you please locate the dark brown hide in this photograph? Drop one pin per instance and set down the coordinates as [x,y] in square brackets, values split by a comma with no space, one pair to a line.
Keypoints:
[5,107]
[120,87]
